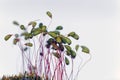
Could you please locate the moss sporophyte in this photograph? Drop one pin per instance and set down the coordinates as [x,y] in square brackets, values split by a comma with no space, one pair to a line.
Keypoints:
[46,55]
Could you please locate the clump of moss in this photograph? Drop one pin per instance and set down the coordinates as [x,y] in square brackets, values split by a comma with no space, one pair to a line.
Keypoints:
[44,52]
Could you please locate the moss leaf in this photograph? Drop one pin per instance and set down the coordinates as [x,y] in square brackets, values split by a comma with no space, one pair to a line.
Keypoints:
[52,34]
[43,28]
[58,39]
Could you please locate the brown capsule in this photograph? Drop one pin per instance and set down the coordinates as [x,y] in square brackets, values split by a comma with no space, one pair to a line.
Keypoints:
[61,47]
[41,54]
[55,46]
[47,46]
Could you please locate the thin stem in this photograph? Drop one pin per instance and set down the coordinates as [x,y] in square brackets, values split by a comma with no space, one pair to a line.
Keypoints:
[83,66]
[71,74]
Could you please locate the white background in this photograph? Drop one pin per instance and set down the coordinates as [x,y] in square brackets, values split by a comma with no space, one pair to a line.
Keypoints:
[96,21]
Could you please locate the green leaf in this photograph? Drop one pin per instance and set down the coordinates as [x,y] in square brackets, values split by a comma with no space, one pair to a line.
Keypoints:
[77,47]
[67,61]
[16,23]
[59,28]
[58,39]
[73,54]
[22,27]
[43,28]
[85,49]
[68,47]
[7,37]
[49,14]
[33,23]
[52,34]
[63,39]
[29,44]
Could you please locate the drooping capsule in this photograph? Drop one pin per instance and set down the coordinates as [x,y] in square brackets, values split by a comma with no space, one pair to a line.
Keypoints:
[73,54]
[74,35]
[85,49]
[61,47]
[49,14]
[47,45]
[29,44]
[15,40]
[77,47]
[22,27]
[57,55]
[67,40]
[67,61]
[16,23]
[7,37]
[71,34]
[68,47]
[68,53]
[59,28]
[32,23]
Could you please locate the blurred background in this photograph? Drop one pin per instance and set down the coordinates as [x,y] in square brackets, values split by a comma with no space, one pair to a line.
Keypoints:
[96,21]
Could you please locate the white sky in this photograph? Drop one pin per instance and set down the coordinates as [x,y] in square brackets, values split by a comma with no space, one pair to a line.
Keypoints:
[97,22]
